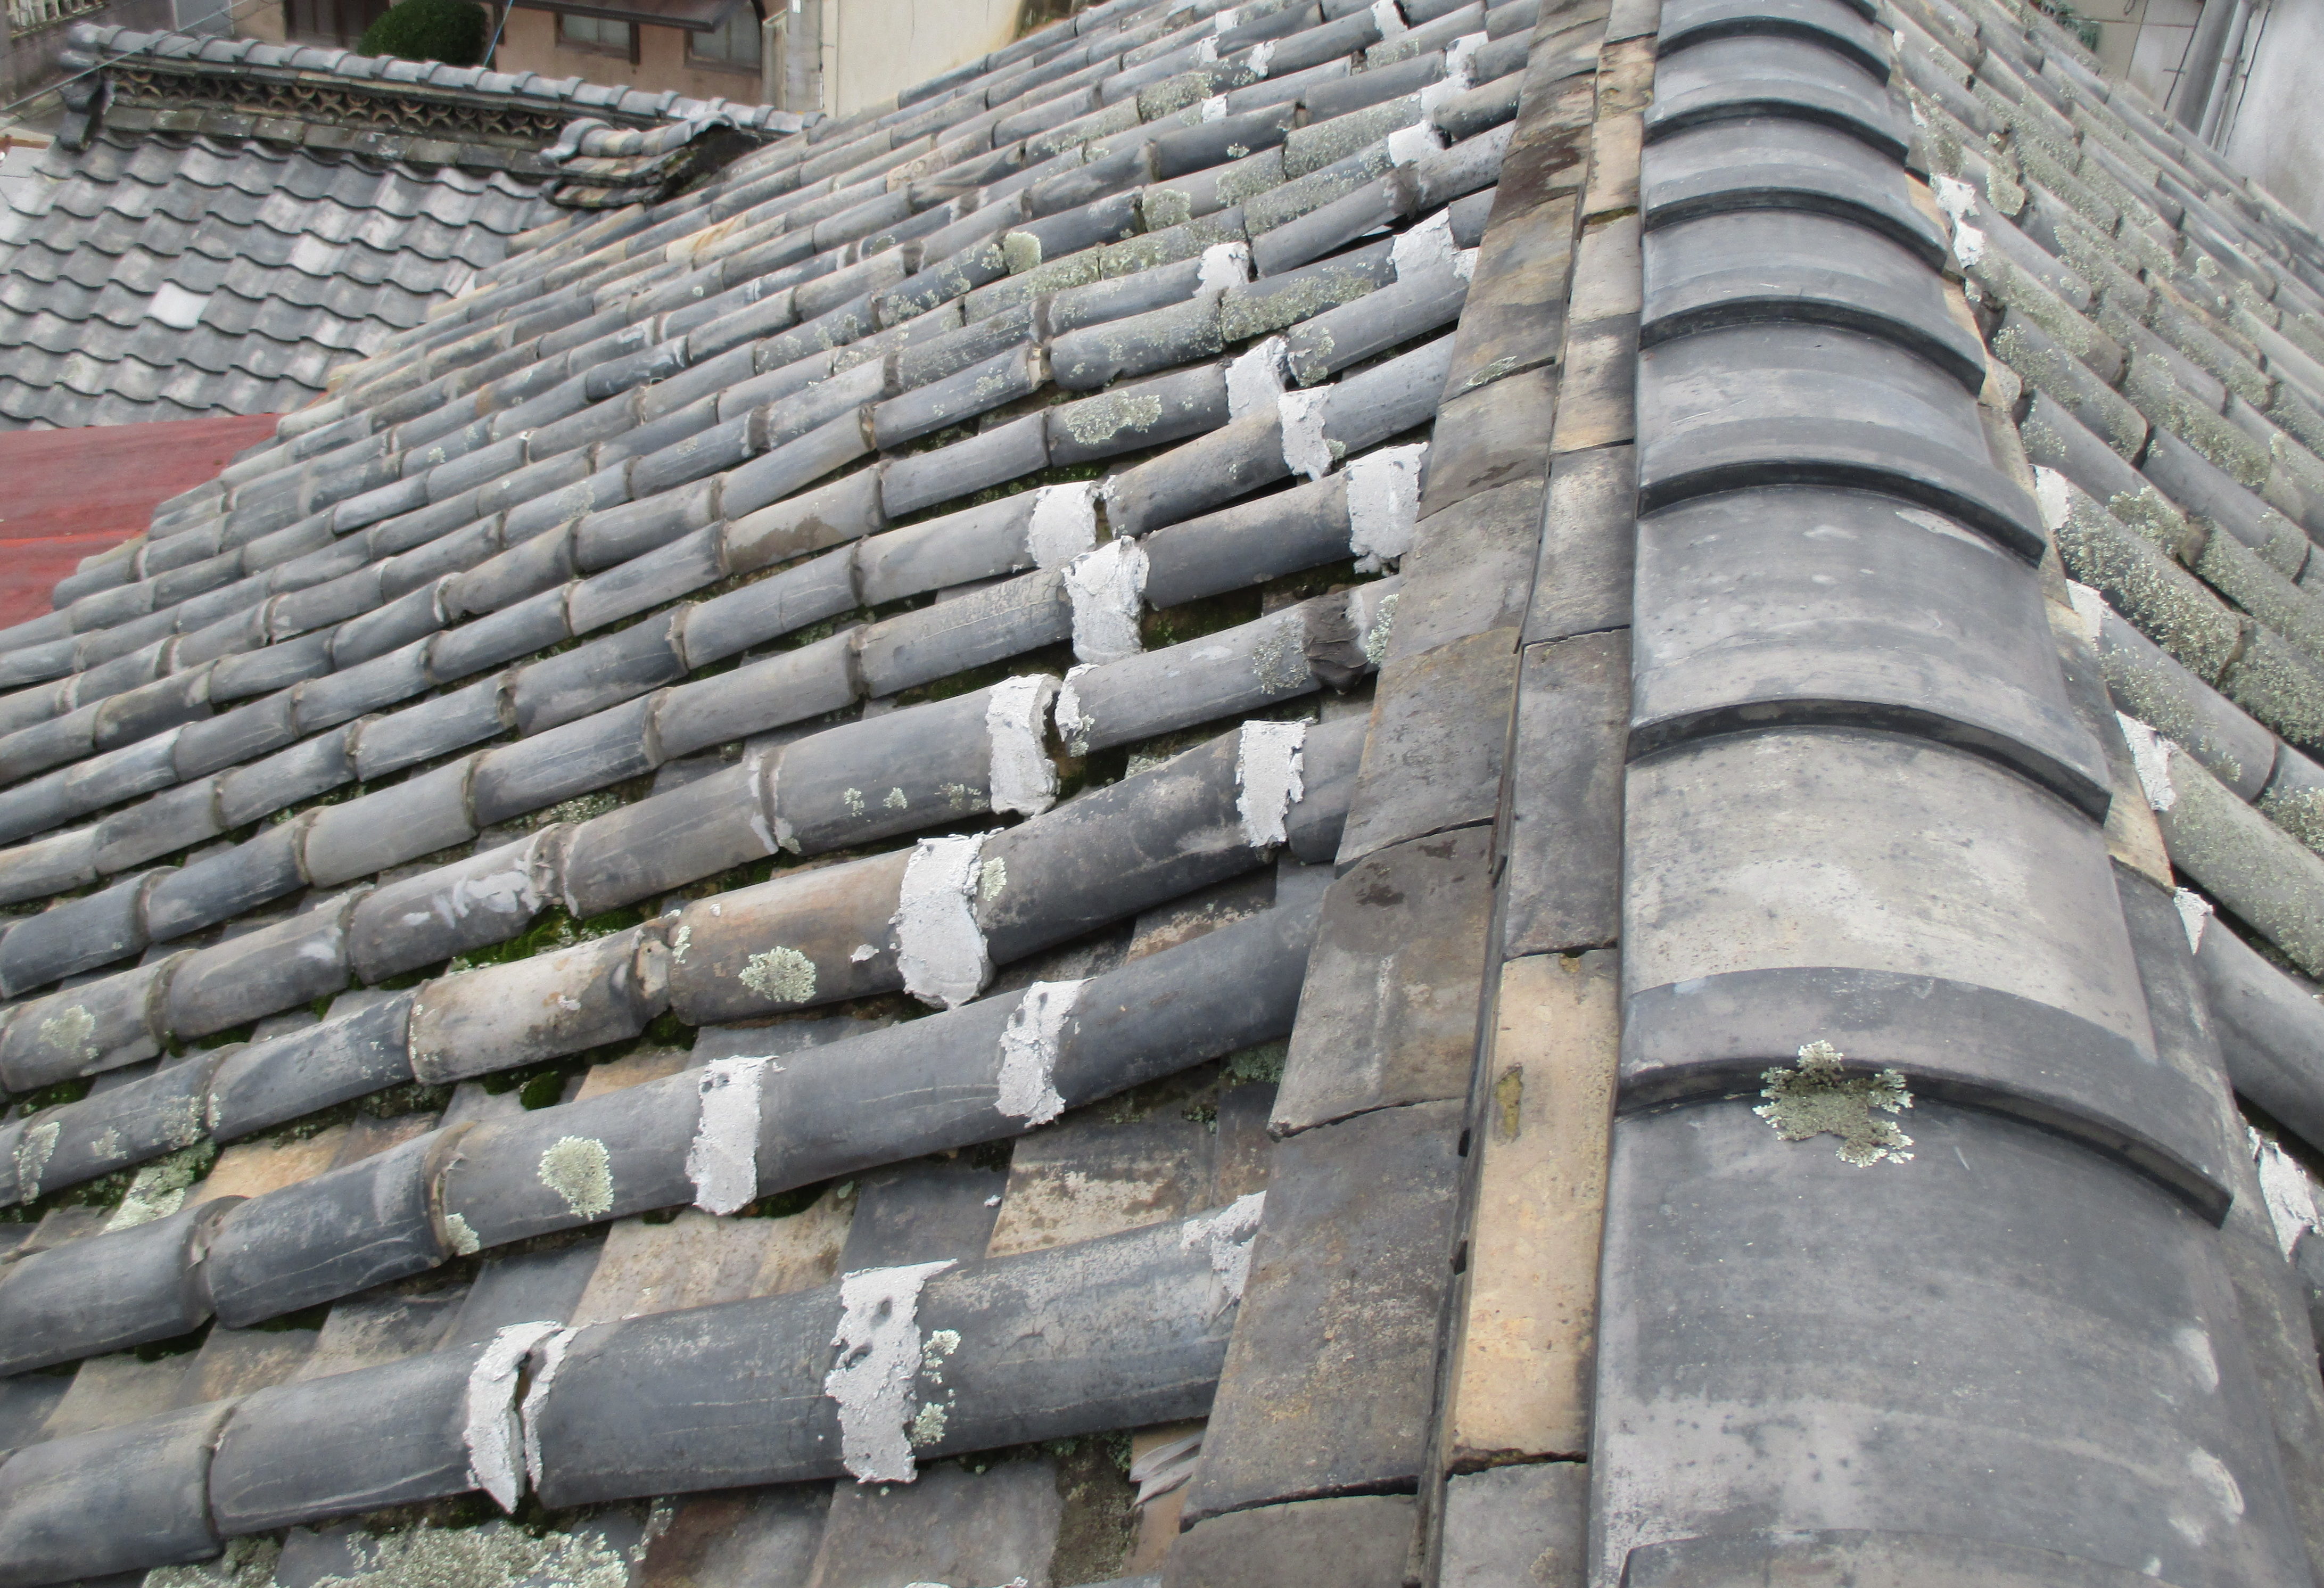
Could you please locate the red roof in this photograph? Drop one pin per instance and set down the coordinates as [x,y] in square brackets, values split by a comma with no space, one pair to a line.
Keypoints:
[69,494]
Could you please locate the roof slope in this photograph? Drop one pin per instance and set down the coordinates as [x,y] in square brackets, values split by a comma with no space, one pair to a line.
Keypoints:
[1061,798]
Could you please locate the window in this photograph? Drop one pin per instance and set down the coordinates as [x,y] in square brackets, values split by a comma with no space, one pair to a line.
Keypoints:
[330,21]
[596,33]
[734,42]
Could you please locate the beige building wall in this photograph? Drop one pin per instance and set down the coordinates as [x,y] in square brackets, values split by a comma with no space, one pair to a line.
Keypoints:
[873,48]
[867,51]
[530,44]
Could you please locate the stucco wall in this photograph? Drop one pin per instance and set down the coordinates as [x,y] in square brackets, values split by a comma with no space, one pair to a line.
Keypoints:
[873,48]
[2277,136]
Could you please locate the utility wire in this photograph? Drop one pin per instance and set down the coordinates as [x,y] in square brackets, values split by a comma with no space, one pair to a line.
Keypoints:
[228,14]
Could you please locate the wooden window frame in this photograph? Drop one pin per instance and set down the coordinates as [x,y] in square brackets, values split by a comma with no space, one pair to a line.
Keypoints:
[632,54]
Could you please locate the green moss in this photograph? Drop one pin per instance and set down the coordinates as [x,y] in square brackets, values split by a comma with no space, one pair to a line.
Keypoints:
[176,1346]
[56,1094]
[1052,661]
[450,31]
[1191,620]
[785,1204]
[1262,1065]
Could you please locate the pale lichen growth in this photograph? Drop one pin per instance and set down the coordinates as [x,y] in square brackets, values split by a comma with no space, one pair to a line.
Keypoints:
[246,1563]
[495,1556]
[463,1237]
[33,1152]
[936,1351]
[1279,660]
[991,877]
[783,975]
[2299,812]
[1096,422]
[69,1034]
[581,808]
[1818,1098]
[161,1187]
[1383,628]
[579,1170]
[927,1425]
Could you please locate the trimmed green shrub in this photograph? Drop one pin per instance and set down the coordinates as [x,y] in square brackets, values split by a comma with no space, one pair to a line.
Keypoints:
[450,31]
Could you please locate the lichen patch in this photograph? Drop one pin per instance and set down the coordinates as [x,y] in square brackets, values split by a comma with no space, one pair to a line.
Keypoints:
[495,1556]
[783,975]
[579,1170]
[69,1034]
[1818,1098]
[161,1187]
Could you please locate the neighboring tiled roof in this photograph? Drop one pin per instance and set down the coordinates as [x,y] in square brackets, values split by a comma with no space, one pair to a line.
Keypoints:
[166,277]
[1330,768]
[223,223]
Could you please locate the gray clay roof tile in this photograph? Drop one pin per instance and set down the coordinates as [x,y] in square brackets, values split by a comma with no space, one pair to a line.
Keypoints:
[787,806]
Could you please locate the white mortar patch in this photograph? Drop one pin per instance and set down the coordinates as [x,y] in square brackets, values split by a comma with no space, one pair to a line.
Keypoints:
[2090,608]
[939,947]
[1029,1052]
[1266,779]
[1304,449]
[503,892]
[722,1160]
[1969,245]
[1063,523]
[491,1434]
[1426,247]
[1461,57]
[1388,19]
[1108,586]
[1384,503]
[2283,1186]
[1024,779]
[1256,379]
[1224,265]
[1261,59]
[878,1342]
[550,1356]
[2055,499]
[1227,1235]
[1074,722]
[1405,145]
[1956,198]
[785,835]
[2151,754]
[2194,914]
[1438,92]
[1215,109]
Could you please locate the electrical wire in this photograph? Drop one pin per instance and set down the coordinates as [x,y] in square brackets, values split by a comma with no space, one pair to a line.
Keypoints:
[490,48]
[2240,78]
[228,14]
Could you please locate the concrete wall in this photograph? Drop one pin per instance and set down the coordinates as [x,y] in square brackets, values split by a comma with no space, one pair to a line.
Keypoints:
[2276,135]
[32,58]
[873,48]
